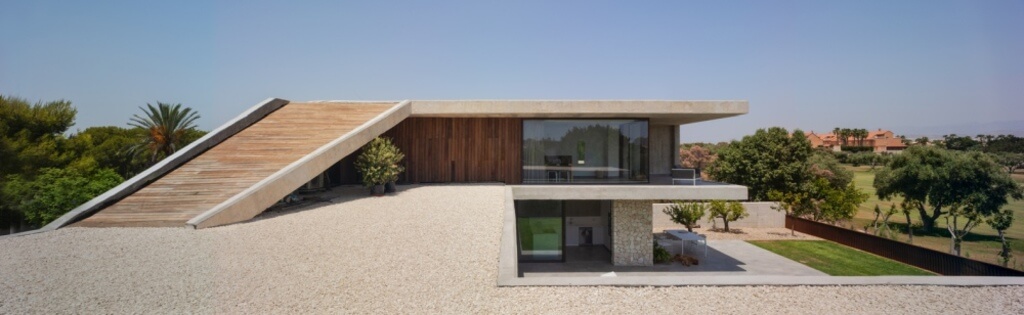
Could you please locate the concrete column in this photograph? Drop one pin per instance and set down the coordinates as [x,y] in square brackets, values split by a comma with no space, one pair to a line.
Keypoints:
[675,145]
[631,233]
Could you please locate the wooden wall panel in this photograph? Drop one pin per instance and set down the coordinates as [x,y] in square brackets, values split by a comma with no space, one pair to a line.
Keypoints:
[441,150]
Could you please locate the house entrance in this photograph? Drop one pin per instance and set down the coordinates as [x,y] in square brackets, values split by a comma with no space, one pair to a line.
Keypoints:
[563,230]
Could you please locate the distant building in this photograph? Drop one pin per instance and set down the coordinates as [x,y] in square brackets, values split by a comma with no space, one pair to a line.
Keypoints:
[882,141]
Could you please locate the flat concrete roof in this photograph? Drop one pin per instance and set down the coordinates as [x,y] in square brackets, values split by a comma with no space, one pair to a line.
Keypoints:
[661,112]
[630,192]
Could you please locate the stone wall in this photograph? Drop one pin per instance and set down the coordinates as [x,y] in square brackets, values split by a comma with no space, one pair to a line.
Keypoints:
[762,215]
[631,233]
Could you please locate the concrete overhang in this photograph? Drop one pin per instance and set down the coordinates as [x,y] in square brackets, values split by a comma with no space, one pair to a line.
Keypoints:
[662,112]
[629,192]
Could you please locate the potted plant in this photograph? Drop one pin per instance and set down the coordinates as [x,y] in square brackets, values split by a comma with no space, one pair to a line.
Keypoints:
[378,165]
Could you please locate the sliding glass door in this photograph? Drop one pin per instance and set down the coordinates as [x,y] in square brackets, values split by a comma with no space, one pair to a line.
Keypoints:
[540,227]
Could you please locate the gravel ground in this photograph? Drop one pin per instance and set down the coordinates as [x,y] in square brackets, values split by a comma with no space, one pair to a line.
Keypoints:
[430,249]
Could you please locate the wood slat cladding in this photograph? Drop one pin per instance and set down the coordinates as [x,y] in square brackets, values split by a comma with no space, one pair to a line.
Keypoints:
[251,155]
[441,150]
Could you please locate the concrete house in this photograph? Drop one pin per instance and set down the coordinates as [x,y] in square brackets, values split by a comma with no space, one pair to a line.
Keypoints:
[580,174]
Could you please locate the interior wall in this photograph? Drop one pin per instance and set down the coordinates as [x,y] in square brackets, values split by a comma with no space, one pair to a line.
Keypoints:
[587,213]
[661,148]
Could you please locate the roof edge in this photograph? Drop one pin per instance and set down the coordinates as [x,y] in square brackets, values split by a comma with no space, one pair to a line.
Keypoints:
[211,139]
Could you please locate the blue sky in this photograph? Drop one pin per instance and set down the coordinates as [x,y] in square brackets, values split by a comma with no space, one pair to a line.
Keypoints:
[808,64]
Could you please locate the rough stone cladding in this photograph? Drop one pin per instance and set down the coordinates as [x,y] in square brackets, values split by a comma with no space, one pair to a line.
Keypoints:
[631,233]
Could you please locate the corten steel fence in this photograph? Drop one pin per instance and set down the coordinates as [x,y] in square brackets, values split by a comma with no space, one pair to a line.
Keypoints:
[924,258]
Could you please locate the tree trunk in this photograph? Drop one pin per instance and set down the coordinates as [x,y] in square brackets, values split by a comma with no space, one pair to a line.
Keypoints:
[874,224]
[954,241]
[928,220]
[1004,255]
[726,222]
[910,227]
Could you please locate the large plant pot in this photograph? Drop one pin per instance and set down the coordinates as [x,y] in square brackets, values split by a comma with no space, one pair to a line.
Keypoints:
[377,190]
[389,187]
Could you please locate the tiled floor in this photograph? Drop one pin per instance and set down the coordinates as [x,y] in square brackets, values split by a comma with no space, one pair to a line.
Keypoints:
[734,258]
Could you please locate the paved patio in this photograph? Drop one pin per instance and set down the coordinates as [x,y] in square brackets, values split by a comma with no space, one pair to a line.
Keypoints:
[724,258]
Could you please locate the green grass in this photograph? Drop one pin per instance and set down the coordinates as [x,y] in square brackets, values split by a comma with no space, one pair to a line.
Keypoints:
[982,244]
[838,260]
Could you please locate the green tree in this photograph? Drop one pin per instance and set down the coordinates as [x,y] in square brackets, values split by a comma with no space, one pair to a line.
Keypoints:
[825,165]
[728,211]
[32,135]
[1001,221]
[31,138]
[54,191]
[166,126]
[940,182]
[1011,161]
[110,147]
[1005,143]
[960,143]
[686,213]
[820,200]
[768,160]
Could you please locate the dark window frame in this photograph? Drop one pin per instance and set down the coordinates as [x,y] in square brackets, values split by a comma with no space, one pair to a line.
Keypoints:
[522,159]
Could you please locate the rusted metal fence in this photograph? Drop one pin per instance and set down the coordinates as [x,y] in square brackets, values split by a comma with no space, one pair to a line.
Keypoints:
[924,258]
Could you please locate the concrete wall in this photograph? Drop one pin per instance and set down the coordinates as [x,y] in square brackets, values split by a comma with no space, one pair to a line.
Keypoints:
[660,149]
[632,241]
[761,216]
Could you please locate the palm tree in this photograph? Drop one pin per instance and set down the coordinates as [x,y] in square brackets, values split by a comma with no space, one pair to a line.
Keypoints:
[166,125]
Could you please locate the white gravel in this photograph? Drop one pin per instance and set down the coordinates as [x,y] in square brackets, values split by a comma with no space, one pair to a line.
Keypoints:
[431,249]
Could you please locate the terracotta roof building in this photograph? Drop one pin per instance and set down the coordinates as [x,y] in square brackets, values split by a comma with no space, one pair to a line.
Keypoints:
[883,141]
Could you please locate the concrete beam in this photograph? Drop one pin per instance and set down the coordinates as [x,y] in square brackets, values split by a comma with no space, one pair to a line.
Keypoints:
[267,192]
[658,111]
[630,192]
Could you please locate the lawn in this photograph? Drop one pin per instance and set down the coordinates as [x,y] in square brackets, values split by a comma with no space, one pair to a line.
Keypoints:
[838,260]
[982,244]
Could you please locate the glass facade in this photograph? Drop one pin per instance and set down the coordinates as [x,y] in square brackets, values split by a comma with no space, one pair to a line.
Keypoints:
[581,151]
[540,227]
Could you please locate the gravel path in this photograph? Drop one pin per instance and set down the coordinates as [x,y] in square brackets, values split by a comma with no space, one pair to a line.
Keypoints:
[431,249]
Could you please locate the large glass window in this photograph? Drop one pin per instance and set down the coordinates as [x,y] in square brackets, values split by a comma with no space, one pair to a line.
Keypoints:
[540,229]
[580,151]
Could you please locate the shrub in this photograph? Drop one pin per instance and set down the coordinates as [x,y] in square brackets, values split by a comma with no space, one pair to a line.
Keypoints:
[686,213]
[661,254]
[379,162]
[728,211]
[855,149]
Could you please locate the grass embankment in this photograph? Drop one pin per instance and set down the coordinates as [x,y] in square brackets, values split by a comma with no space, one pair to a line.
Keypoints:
[982,244]
[838,260]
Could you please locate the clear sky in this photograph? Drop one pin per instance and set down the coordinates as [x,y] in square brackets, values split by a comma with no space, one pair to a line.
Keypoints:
[809,64]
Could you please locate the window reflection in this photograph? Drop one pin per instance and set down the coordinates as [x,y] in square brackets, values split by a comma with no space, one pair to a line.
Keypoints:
[575,151]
